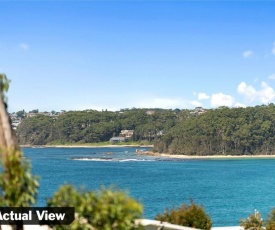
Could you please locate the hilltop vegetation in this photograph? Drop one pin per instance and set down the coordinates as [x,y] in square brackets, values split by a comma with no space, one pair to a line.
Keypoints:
[235,131]
[92,126]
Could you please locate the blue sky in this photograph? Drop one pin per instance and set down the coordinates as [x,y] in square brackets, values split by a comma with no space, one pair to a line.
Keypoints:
[77,55]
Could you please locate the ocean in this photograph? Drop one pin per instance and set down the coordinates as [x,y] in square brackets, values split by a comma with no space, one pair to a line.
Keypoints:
[229,189]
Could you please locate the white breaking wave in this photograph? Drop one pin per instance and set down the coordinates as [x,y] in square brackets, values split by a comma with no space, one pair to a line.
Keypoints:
[91,159]
[127,160]
[110,160]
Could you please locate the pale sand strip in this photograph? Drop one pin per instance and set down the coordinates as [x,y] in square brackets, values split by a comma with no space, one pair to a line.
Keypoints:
[216,156]
[84,146]
[149,153]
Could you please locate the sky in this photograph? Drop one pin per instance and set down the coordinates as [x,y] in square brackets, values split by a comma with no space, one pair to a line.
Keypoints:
[77,55]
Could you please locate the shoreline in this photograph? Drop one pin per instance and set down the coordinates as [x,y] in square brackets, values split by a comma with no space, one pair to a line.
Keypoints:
[215,156]
[85,146]
[149,153]
[206,157]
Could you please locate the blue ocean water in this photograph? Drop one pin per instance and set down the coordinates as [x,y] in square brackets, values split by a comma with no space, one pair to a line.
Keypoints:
[229,189]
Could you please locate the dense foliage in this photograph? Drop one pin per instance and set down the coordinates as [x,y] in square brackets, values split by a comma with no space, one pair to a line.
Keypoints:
[224,131]
[253,222]
[92,126]
[18,187]
[191,215]
[256,222]
[270,225]
[104,209]
[235,131]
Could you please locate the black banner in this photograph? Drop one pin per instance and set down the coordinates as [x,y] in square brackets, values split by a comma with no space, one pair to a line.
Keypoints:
[37,216]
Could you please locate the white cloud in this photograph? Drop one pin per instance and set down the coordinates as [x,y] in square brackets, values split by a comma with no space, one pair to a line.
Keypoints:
[239,105]
[196,103]
[247,90]
[247,54]
[24,46]
[94,107]
[272,77]
[166,103]
[203,96]
[265,95]
[220,99]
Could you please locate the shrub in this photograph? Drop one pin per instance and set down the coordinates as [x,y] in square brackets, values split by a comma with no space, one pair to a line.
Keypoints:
[270,225]
[191,215]
[18,187]
[253,222]
[105,209]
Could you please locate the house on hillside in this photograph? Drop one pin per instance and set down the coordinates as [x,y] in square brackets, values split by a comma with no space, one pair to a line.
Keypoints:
[15,124]
[126,133]
[124,136]
[13,116]
[160,133]
[150,112]
[32,114]
[198,111]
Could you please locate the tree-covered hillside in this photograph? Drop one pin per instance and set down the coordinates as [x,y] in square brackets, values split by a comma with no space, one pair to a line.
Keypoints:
[224,130]
[92,126]
[234,131]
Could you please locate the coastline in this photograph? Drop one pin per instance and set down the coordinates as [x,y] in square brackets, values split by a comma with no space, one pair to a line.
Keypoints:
[85,146]
[215,156]
[150,153]
[188,157]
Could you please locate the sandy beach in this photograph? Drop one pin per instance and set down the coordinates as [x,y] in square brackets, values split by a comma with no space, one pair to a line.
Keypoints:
[149,153]
[216,156]
[85,146]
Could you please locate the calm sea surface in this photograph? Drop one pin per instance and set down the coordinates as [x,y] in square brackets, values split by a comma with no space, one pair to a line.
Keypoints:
[228,189]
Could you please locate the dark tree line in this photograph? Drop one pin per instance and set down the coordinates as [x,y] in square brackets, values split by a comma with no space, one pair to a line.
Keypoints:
[223,131]
[92,126]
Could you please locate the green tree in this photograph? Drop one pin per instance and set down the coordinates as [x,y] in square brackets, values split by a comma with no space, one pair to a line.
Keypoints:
[191,215]
[270,224]
[106,209]
[34,111]
[253,222]
[21,113]
[18,187]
